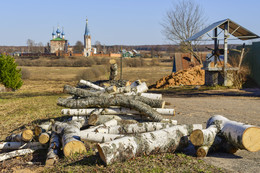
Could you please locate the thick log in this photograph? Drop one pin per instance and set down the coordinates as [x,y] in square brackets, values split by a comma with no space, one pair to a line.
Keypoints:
[91,85]
[70,140]
[98,137]
[105,102]
[111,111]
[21,145]
[85,94]
[134,128]
[238,134]
[44,138]
[53,151]
[165,140]
[204,137]
[9,155]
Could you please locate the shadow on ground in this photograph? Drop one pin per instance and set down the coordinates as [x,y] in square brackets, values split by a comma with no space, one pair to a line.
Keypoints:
[179,92]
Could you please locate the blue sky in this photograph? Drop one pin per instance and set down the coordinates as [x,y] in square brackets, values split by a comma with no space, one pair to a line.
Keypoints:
[128,22]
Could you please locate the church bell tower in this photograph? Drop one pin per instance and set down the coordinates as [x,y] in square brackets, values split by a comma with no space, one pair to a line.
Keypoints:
[87,41]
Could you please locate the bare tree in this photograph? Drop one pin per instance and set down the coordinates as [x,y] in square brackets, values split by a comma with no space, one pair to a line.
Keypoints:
[30,45]
[98,46]
[78,48]
[181,22]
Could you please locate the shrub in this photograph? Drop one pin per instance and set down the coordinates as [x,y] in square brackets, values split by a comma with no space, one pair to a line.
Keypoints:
[25,73]
[10,76]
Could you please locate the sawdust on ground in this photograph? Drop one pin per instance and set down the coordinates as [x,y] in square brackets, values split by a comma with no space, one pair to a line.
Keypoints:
[191,76]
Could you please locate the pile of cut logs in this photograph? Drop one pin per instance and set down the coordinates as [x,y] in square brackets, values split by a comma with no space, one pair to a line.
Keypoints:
[125,122]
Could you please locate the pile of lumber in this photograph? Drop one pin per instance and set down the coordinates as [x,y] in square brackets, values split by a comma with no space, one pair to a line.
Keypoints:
[191,76]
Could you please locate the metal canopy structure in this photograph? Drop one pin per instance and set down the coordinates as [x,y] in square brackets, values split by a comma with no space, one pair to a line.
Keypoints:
[233,29]
[230,28]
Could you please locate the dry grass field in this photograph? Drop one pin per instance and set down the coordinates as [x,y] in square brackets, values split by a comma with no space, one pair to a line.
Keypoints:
[36,102]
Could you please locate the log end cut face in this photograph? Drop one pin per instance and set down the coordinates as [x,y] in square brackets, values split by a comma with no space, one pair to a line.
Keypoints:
[251,139]
[197,137]
[44,138]
[101,153]
[74,147]
[202,152]
[27,135]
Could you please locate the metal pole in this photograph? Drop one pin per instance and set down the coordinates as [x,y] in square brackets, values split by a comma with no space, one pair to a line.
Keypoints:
[215,45]
[121,67]
[225,53]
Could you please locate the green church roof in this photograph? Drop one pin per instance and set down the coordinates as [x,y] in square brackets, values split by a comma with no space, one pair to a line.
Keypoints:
[58,39]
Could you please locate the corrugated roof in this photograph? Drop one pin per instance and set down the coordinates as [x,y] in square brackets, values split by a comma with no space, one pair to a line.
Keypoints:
[234,29]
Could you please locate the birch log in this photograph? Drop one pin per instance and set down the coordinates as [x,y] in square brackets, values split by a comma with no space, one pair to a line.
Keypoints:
[85,94]
[27,135]
[112,122]
[9,155]
[14,138]
[105,102]
[111,111]
[152,96]
[44,138]
[91,85]
[21,145]
[54,149]
[165,140]
[70,140]
[134,128]
[204,137]
[98,137]
[218,144]
[238,134]
[95,119]
[41,128]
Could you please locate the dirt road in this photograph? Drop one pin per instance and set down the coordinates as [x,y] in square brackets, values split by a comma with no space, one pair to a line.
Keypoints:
[239,106]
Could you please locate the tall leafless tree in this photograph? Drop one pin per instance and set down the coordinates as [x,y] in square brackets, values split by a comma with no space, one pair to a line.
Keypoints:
[181,22]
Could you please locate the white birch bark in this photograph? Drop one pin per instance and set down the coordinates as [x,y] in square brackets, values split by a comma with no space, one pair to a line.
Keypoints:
[111,111]
[12,154]
[53,150]
[91,85]
[165,140]
[98,137]
[152,96]
[204,137]
[21,145]
[134,128]
[106,124]
[238,134]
